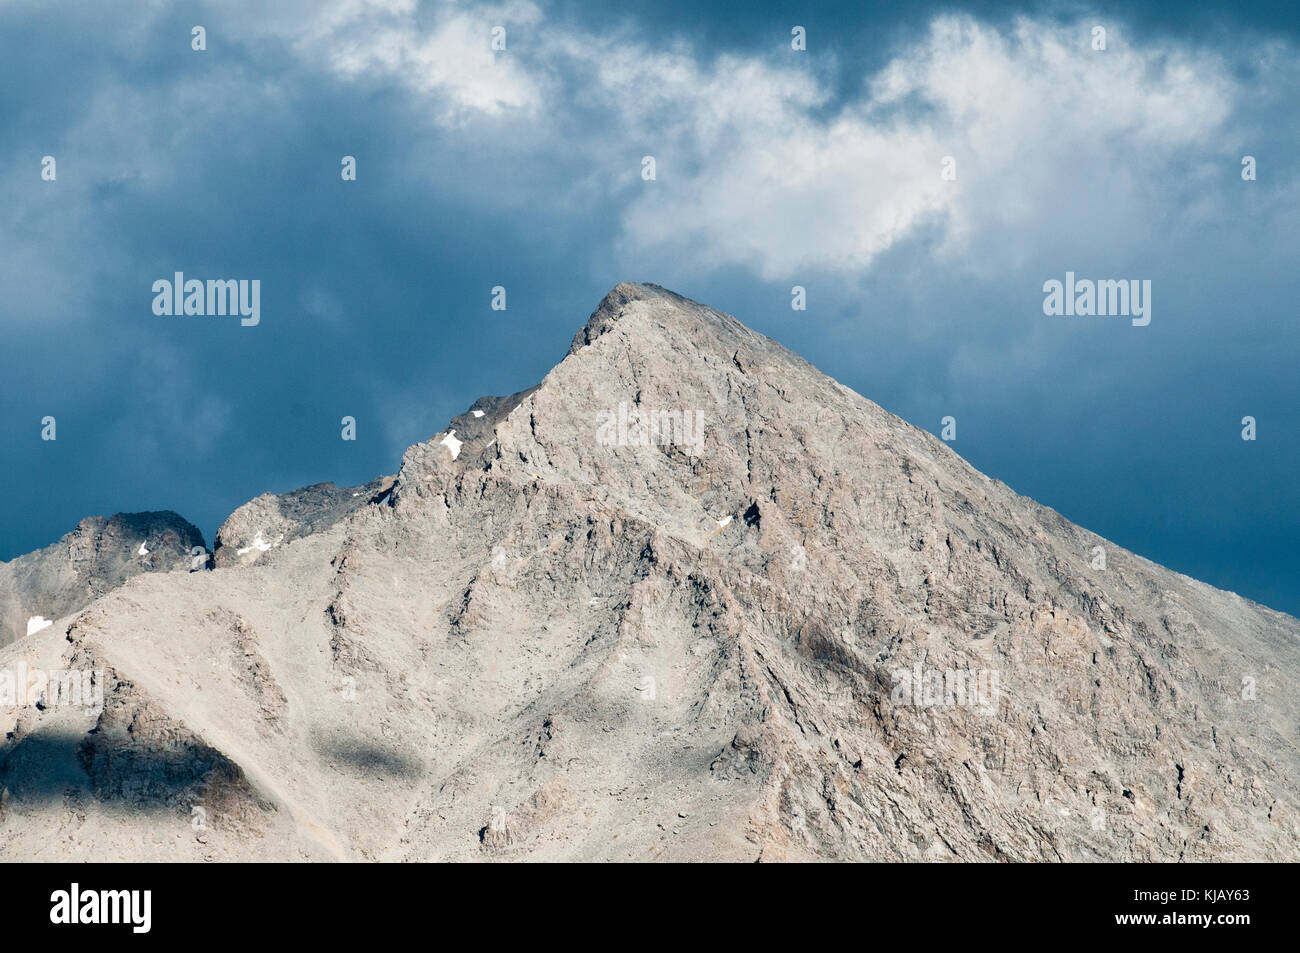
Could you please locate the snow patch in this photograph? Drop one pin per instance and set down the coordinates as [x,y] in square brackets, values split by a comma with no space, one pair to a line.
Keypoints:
[143,550]
[259,544]
[722,523]
[38,622]
[452,444]
[478,413]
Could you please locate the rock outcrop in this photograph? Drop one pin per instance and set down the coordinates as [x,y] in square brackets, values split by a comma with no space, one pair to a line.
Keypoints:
[271,520]
[96,557]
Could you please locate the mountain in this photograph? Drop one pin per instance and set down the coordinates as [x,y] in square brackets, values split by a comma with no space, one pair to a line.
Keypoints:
[99,555]
[687,599]
[271,520]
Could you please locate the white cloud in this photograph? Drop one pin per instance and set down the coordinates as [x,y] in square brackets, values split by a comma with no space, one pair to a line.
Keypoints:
[441,53]
[759,164]
[1050,137]
[1035,120]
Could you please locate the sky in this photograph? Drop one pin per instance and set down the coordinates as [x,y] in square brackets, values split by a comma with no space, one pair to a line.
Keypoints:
[824,167]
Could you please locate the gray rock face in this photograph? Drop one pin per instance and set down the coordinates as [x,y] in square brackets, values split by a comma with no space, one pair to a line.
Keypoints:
[687,599]
[271,520]
[97,556]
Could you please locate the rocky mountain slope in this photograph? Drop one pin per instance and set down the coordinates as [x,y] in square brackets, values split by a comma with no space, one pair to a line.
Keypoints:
[99,555]
[687,599]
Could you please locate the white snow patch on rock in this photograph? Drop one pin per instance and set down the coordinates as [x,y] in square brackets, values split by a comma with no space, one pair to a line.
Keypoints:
[38,622]
[143,550]
[258,543]
[452,444]
[478,413]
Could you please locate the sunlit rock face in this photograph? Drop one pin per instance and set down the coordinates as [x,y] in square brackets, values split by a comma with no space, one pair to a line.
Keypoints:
[96,557]
[686,599]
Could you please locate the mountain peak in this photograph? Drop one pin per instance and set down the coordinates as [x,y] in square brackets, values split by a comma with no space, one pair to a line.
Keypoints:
[690,571]
[611,308]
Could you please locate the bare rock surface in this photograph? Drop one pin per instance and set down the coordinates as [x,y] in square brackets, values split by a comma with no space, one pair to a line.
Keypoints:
[271,520]
[97,556]
[584,631]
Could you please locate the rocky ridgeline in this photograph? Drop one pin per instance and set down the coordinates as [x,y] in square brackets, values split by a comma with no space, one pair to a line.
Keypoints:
[97,556]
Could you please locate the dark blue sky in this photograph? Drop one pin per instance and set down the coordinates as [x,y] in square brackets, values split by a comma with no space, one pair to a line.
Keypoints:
[774,168]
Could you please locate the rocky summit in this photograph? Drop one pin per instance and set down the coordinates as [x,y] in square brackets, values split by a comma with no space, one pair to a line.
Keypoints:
[686,599]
